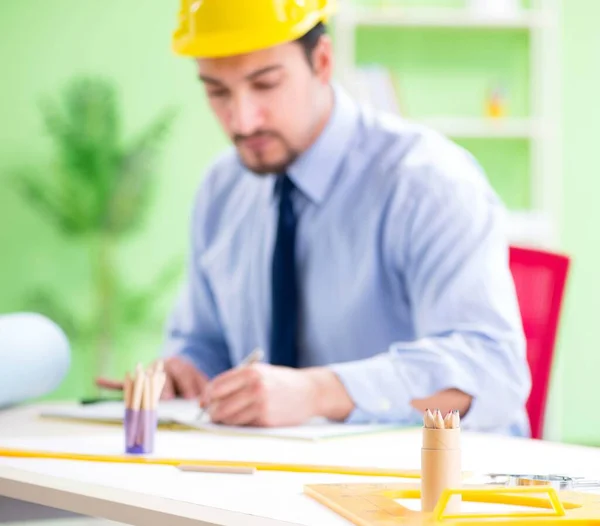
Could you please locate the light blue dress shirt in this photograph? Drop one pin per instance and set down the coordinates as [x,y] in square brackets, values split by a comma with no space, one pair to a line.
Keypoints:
[404,282]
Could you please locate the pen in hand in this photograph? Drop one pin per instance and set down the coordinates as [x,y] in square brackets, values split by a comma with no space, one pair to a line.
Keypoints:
[255,356]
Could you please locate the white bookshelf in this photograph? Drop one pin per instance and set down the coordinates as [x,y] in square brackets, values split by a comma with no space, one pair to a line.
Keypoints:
[529,228]
[435,17]
[483,128]
[540,226]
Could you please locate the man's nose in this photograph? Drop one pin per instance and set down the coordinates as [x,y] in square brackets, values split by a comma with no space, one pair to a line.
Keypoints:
[245,115]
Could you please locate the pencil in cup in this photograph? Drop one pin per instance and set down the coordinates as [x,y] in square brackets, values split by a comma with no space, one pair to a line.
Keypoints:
[440,459]
[142,392]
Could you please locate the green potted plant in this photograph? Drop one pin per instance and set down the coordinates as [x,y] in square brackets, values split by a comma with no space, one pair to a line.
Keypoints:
[96,192]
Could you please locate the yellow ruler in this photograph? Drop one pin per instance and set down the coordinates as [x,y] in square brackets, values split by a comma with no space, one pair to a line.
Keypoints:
[259,465]
[375,505]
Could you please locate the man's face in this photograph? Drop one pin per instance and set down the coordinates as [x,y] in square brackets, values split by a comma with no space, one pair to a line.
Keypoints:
[270,102]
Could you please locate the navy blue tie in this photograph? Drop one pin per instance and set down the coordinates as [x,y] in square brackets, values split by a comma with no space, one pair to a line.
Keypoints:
[284,288]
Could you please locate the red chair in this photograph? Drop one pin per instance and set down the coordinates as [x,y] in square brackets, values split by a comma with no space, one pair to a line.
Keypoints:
[540,279]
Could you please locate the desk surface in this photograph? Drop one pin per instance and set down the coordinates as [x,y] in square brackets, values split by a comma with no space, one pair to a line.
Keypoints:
[148,495]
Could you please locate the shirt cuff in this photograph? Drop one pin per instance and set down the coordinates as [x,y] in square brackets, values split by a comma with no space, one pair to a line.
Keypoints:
[490,415]
[376,389]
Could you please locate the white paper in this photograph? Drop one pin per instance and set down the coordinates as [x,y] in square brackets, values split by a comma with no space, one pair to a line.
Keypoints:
[169,411]
[316,429]
[185,412]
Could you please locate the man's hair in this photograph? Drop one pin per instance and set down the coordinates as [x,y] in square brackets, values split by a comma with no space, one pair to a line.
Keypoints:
[309,40]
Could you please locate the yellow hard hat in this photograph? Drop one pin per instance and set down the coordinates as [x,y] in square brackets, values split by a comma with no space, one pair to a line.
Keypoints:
[218,28]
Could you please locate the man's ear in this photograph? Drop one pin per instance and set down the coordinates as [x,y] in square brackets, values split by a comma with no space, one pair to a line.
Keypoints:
[322,59]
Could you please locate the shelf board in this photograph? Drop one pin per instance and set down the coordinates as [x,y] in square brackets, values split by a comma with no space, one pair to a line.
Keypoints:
[530,228]
[436,17]
[473,128]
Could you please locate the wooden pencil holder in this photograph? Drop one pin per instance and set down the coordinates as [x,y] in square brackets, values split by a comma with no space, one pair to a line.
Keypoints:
[440,467]
[140,430]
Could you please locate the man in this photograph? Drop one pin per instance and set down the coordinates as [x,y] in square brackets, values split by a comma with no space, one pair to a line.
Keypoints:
[365,255]
[35,356]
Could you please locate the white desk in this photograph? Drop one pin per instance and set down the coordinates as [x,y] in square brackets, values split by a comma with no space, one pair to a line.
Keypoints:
[148,495]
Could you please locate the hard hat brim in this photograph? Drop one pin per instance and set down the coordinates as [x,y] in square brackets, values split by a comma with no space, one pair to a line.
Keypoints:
[243,42]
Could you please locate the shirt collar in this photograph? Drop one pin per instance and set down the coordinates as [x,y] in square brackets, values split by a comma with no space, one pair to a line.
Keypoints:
[314,170]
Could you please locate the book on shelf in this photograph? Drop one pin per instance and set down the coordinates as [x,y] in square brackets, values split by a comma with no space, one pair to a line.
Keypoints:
[495,8]
[375,86]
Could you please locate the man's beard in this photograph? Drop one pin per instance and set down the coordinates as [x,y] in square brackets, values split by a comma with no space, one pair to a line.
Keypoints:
[264,168]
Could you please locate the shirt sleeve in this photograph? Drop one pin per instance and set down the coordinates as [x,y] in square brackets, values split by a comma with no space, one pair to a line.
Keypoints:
[194,330]
[452,255]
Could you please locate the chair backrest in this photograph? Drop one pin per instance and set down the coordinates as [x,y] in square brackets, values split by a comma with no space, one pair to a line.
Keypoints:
[540,279]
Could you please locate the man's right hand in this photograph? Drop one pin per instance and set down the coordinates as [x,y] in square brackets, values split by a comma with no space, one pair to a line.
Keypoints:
[183,380]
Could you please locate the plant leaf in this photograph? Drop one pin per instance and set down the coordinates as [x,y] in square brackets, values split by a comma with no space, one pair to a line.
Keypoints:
[43,196]
[133,188]
[84,125]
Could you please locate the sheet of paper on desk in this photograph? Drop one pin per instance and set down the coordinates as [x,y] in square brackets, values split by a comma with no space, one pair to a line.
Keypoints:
[169,411]
[316,429]
[185,412]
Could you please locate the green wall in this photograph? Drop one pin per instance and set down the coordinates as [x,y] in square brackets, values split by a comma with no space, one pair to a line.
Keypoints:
[45,43]
[579,359]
